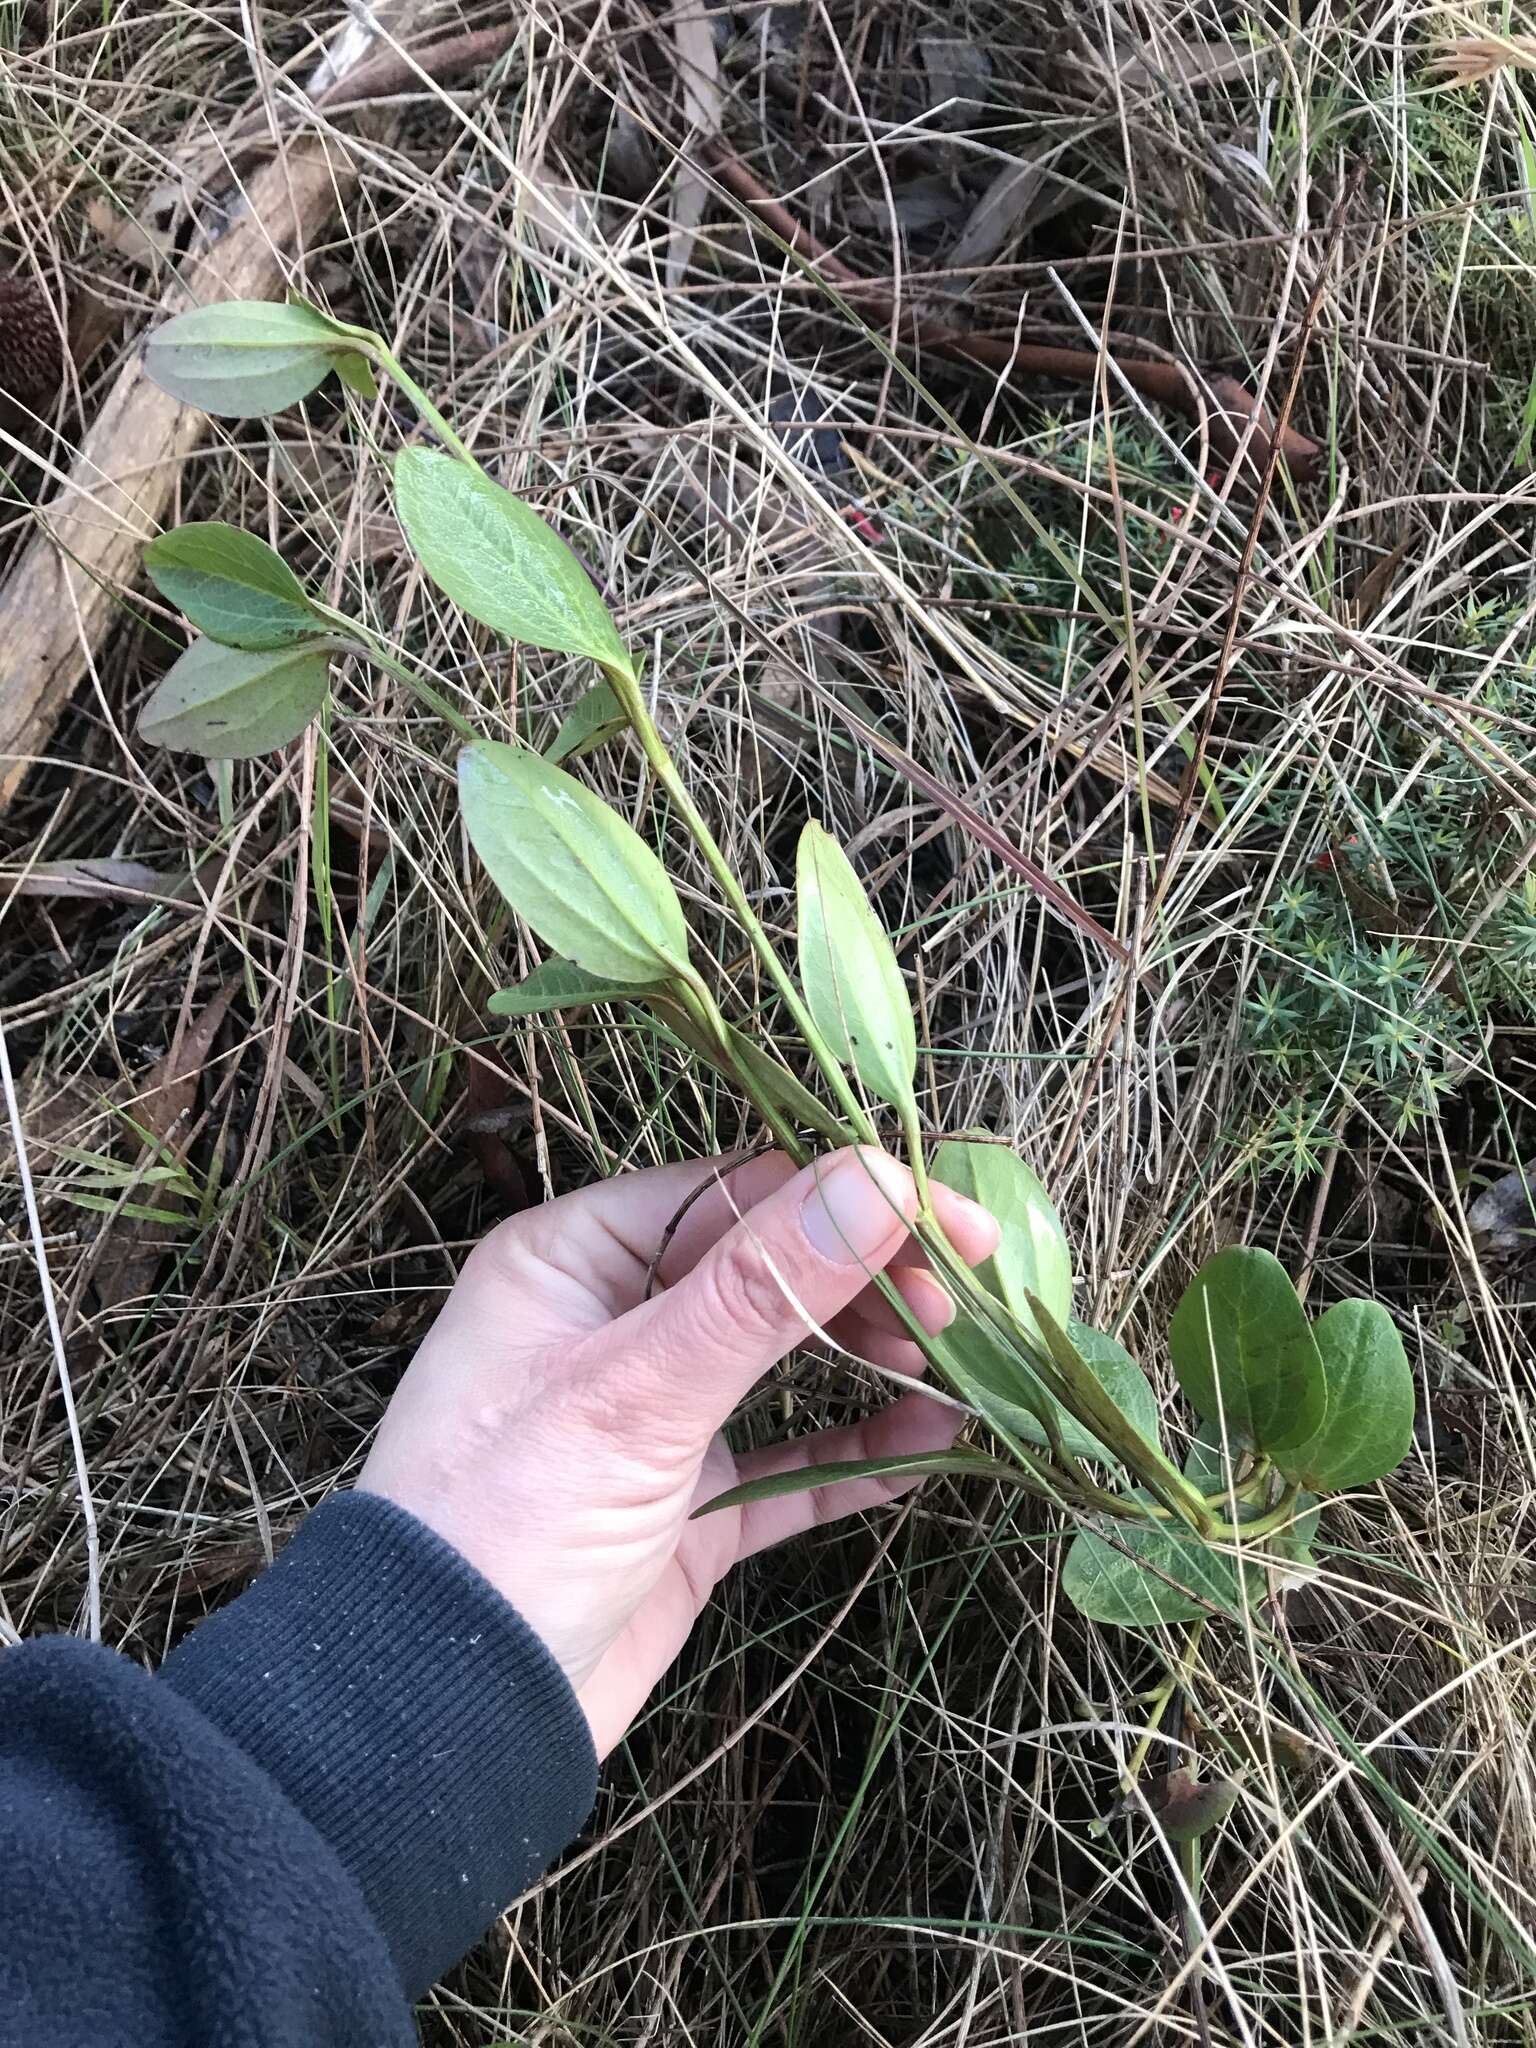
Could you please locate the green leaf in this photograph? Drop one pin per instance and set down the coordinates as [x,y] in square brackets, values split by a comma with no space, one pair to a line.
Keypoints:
[243,359]
[558,985]
[1121,1378]
[594,718]
[1107,1586]
[230,585]
[1208,1464]
[1367,1424]
[775,1081]
[113,1205]
[784,1090]
[119,1176]
[1188,1807]
[853,985]
[1032,1256]
[1077,1385]
[229,705]
[583,878]
[498,561]
[356,372]
[1245,1354]
[805,1478]
[1294,1543]
[109,1172]
[1004,1390]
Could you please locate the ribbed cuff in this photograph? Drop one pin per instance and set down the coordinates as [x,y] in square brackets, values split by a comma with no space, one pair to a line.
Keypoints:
[410,1715]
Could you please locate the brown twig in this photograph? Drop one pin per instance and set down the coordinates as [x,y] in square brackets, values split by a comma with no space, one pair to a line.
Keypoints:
[981,829]
[450,57]
[378,77]
[63,594]
[1223,405]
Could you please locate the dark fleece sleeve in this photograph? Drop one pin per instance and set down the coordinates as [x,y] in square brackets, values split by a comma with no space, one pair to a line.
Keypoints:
[322,1800]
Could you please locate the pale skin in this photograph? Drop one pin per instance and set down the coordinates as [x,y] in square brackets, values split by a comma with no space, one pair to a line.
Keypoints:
[558,1427]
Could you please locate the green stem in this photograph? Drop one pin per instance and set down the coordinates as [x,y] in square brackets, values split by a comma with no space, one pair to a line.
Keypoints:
[375,651]
[1191,1863]
[913,1138]
[424,406]
[631,697]
[1283,1511]
[694,996]
[1162,1699]
[626,688]
[1257,1480]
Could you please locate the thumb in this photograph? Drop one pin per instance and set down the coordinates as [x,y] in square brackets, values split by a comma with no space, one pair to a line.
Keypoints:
[782,1271]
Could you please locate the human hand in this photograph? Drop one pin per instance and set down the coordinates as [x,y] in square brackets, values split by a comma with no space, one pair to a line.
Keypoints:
[557,1428]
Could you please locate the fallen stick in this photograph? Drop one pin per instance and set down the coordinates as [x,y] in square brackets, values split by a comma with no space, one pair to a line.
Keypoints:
[1220,403]
[61,598]
[379,75]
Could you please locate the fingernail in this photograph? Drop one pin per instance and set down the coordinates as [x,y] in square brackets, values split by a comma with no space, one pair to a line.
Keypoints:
[859,1208]
[925,1296]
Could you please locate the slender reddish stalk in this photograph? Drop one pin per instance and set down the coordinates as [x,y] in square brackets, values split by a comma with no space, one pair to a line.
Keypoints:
[1220,403]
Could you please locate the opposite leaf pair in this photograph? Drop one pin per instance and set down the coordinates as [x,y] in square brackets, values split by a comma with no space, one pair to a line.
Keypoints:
[484,548]
[1286,1403]
[1315,1406]
[1329,1404]
[261,670]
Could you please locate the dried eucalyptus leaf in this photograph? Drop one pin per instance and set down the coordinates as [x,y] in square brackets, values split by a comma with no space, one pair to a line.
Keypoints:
[229,704]
[853,984]
[1188,1807]
[231,585]
[243,359]
[498,560]
[581,876]
[1503,1218]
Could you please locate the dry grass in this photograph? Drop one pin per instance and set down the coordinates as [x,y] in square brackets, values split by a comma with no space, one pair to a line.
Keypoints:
[863,1810]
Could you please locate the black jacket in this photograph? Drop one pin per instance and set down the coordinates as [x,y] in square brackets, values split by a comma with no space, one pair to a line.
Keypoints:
[314,1809]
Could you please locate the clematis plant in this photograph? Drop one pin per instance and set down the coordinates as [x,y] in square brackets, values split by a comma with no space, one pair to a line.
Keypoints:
[1289,1408]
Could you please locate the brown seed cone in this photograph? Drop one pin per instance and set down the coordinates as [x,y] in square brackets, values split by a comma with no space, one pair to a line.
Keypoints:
[31,347]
